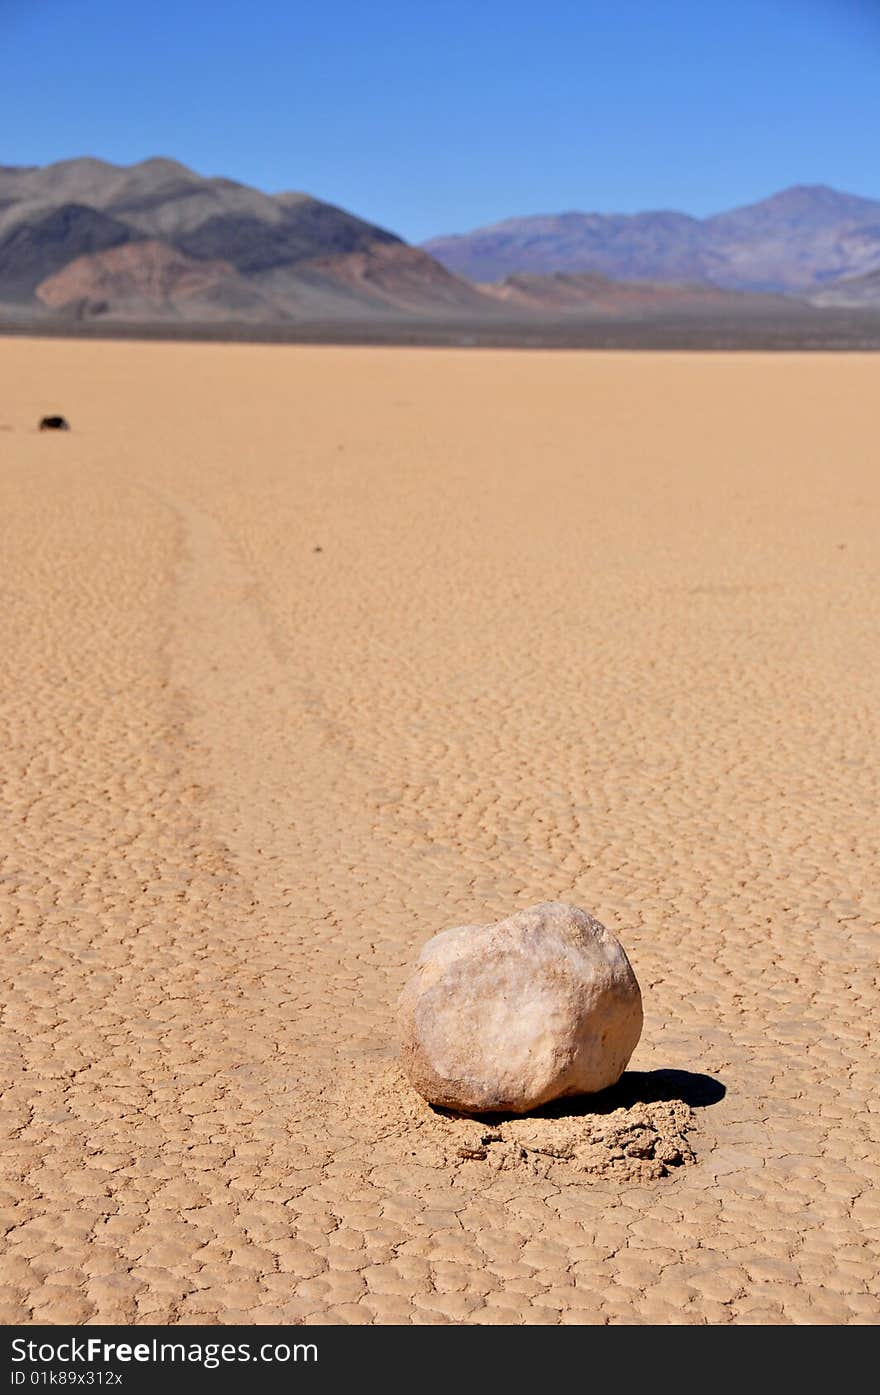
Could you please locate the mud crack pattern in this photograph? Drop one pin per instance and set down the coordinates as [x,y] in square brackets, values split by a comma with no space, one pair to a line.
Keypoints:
[596,628]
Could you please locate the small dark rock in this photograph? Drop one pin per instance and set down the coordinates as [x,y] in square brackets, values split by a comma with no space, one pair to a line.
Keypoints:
[317,549]
[54,424]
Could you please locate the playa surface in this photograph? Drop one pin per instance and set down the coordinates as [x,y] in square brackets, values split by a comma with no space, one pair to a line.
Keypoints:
[596,628]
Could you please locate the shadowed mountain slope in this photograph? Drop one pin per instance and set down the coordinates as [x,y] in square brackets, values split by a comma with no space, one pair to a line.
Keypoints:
[36,247]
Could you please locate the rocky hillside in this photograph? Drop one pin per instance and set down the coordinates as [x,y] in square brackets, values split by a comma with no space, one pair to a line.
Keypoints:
[155,240]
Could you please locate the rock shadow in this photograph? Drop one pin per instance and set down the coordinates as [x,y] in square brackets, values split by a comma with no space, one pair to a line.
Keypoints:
[643,1087]
[650,1086]
[633,1088]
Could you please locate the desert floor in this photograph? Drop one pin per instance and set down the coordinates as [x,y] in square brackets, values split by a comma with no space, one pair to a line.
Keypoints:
[598,628]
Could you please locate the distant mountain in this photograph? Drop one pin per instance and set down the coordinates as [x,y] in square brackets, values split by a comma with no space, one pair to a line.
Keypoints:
[661,246]
[86,240]
[156,240]
[796,240]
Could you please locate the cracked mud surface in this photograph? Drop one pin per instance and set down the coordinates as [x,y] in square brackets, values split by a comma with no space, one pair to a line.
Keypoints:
[596,628]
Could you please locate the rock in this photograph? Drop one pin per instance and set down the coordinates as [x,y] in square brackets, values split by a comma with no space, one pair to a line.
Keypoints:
[506,1017]
[54,424]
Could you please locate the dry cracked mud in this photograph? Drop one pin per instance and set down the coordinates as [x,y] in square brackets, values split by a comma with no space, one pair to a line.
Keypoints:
[309,653]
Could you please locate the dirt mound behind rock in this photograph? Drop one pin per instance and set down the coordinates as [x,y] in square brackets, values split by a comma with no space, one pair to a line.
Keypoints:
[613,1134]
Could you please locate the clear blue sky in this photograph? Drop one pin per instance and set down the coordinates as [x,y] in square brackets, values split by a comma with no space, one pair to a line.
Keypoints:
[430,116]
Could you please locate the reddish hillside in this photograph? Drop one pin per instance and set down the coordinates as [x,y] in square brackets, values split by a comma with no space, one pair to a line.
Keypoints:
[399,278]
[149,277]
[587,293]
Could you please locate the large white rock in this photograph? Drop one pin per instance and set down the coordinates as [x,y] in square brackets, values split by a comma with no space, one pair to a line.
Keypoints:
[508,1016]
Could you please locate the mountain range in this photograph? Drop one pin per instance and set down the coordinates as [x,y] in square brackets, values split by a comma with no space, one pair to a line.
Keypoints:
[155,240]
[85,240]
[798,241]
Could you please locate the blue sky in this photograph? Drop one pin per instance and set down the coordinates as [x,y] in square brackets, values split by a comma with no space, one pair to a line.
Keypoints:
[437,117]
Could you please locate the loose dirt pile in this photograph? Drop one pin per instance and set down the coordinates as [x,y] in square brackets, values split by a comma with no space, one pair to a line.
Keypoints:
[612,1135]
